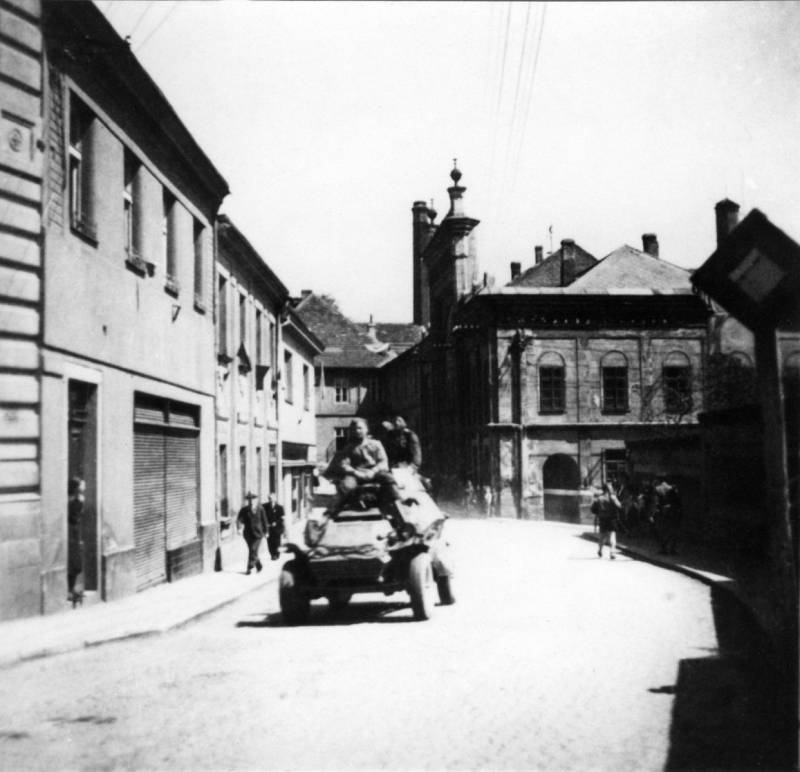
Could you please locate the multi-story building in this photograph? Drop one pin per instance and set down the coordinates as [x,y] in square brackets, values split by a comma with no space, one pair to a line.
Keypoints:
[348,381]
[109,225]
[266,434]
[533,388]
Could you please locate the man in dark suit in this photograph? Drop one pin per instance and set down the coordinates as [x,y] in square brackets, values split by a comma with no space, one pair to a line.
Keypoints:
[252,520]
[274,514]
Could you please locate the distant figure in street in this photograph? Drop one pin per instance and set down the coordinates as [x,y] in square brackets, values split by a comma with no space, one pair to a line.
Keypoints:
[275,527]
[469,496]
[667,516]
[487,499]
[76,488]
[252,521]
[606,508]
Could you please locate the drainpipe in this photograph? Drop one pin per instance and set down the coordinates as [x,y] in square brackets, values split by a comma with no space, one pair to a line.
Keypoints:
[517,353]
[279,392]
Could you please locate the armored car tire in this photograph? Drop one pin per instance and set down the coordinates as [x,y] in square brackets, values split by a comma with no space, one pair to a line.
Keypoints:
[420,585]
[293,598]
[338,601]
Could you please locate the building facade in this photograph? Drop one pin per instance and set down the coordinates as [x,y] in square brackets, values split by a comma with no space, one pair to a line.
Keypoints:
[533,388]
[348,377]
[115,329]
[266,433]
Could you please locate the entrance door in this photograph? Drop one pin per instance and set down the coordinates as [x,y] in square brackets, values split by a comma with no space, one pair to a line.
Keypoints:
[82,462]
[561,481]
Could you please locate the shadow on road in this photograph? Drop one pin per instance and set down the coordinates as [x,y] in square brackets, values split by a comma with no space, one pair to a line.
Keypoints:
[367,612]
[731,710]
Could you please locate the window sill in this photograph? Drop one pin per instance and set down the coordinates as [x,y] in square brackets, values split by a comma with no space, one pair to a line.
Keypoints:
[86,229]
[138,265]
[172,287]
[552,412]
[199,305]
[616,411]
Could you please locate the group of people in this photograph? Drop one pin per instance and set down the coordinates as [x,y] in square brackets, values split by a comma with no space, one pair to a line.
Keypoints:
[365,460]
[658,504]
[256,521]
[480,497]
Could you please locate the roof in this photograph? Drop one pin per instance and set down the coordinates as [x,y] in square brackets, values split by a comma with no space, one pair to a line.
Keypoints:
[347,343]
[627,268]
[399,335]
[548,272]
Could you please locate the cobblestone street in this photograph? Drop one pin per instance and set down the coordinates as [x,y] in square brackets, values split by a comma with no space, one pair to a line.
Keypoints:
[550,659]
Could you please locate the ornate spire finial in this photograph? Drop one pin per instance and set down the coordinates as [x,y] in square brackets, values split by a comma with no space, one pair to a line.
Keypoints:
[455,175]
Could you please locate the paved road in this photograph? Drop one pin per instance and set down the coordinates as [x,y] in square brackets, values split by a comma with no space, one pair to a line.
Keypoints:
[550,659]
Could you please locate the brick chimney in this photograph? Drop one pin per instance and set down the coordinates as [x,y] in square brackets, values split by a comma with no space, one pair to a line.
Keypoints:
[568,268]
[304,294]
[727,212]
[515,270]
[650,244]
[422,230]
[537,250]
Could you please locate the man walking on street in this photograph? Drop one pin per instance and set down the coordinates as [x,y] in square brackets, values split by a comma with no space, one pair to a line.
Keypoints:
[274,515]
[252,520]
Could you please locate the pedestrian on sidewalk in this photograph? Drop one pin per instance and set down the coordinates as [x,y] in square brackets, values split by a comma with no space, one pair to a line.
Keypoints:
[606,508]
[76,489]
[668,516]
[252,523]
[275,527]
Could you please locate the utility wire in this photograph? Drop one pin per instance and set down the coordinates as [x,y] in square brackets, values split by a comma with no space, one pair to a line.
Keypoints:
[158,26]
[143,14]
[520,71]
[529,96]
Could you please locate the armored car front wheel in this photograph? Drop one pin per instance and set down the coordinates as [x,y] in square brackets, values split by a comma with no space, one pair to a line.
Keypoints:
[293,598]
[421,586]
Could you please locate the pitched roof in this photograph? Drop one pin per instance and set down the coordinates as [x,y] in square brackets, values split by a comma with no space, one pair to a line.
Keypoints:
[399,335]
[548,272]
[347,343]
[628,268]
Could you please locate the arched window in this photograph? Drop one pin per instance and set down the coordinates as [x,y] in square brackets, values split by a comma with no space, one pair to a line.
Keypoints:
[614,375]
[676,378]
[552,399]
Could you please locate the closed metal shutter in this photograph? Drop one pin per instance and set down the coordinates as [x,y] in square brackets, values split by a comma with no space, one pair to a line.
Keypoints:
[182,484]
[149,493]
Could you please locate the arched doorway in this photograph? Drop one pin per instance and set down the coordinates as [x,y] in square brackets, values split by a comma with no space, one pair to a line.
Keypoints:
[561,480]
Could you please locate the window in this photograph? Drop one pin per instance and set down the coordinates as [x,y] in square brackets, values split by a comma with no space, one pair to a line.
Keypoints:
[199,265]
[129,212]
[223,480]
[168,246]
[551,384]
[222,316]
[677,383]
[615,383]
[288,374]
[306,387]
[260,473]
[243,473]
[242,320]
[614,465]
[259,337]
[81,122]
[340,434]
[270,342]
[341,390]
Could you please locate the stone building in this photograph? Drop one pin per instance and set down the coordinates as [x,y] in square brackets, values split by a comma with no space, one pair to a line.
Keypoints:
[106,239]
[533,388]
[266,434]
[347,378]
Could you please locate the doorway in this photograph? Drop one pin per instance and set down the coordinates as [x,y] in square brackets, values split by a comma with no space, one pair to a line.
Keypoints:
[561,481]
[82,463]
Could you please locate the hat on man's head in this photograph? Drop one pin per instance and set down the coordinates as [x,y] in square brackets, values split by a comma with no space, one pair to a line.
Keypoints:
[249,495]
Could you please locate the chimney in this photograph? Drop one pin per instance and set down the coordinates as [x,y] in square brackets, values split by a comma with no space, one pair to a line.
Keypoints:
[304,294]
[515,270]
[537,250]
[727,212]
[650,244]
[372,331]
[422,231]
[568,269]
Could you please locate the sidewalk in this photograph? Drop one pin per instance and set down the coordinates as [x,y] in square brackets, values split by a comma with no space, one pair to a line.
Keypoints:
[153,611]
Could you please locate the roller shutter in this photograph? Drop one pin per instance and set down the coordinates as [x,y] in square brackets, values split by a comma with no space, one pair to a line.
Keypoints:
[149,492]
[182,484]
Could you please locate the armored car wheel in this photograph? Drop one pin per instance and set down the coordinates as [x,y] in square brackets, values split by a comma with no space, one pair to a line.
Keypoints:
[420,585]
[445,591]
[293,599]
[338,601]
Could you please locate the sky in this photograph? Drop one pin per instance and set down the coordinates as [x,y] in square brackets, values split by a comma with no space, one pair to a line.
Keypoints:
[600,121]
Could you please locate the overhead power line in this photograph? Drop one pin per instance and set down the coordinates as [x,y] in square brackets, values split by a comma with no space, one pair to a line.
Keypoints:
[139,21]
[159,25]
